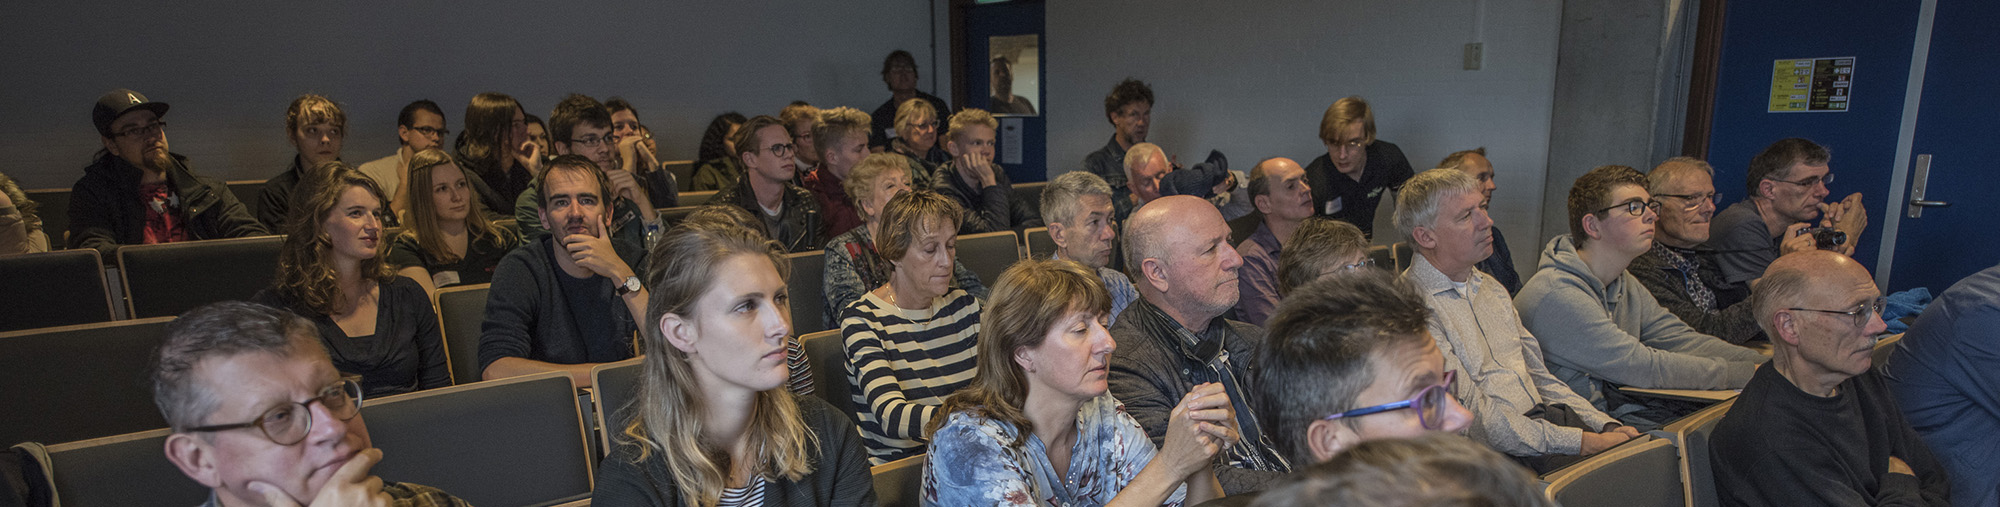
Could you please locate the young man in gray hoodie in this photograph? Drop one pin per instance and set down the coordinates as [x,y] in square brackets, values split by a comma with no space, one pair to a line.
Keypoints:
[1600,328]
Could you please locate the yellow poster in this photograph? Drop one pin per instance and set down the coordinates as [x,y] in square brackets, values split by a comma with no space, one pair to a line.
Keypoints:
[1811,85]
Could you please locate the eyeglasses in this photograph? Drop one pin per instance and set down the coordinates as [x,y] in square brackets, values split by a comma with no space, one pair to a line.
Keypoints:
[923,126]
[289,423]
[147,130]
[1858,316]
[1349,145]
[1808,182]
[1694,201]
[1429,403]
[1633,207]
[430,131]
[779,150]
[1364,264]
[596,140]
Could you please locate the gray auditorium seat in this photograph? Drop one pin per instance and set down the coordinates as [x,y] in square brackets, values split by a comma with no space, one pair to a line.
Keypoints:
[826,353]
[166,280]
[1636,474]
[1691,434]
[616,384]
[809,311]
[989,254]
[513,441]
[120,471]
[48,289]
[696,198]
[78,382]
[461,312]
[1040,245]
[899,483]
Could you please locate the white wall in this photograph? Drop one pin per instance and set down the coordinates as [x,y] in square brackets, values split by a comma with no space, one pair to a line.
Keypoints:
[229,69]
[1252,79]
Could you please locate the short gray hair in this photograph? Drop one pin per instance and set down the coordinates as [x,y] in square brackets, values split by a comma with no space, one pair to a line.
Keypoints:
[1140,154]
[1673,168]
[1417,203]
[1062,198]
[215,331]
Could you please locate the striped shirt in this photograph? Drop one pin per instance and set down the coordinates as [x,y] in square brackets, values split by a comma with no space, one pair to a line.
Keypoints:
[750,495]
[903,363]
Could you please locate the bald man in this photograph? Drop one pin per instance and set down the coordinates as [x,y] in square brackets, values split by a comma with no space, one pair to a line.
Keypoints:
[1278,188]
[1177,251]
[1818,426]
[1685,280]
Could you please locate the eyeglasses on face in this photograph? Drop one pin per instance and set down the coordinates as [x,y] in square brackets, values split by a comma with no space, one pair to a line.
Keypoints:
[1364,264]
[431,131]
[1429,404]
[148,130]
[1633,207]
[1857,316]
[594,141]
[1694,201]
[1809,181]
[289,423]
[779,150]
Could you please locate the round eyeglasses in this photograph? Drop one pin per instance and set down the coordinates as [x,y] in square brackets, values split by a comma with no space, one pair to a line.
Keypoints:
[1633,207]
[289,423]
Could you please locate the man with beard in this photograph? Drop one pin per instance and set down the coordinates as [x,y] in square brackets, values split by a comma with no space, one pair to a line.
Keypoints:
[582,126]
[570,299]
[137,192]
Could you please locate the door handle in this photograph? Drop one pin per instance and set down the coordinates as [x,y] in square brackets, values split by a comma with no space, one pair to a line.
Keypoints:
[1934,204]
[1918,185]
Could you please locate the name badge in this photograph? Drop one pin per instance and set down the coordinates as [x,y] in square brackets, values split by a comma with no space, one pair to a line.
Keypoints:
[444,279]
[1332,207]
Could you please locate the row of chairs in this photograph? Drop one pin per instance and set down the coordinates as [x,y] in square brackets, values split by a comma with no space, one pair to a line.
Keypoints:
[1668,468]
[67,287]
[54,203]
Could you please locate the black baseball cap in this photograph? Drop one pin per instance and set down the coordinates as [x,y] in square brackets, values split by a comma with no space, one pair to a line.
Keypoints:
[116,103]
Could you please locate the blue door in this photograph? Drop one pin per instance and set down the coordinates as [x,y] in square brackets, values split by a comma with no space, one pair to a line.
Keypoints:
[1956,131]
[983,21]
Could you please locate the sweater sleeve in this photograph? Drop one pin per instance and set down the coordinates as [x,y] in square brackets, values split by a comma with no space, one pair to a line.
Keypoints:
[1577,333]
[878,380]
[1662,330]
[1554,390]
[528,214]
[92,209]
[512,304]
[1135,381]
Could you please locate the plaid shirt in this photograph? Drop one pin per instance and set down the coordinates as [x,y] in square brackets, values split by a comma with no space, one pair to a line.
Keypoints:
[404,494]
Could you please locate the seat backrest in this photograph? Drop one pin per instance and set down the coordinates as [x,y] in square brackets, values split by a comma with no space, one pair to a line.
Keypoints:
[168,279]
[48,289]
[989,254]
[808,295]
[1403,254]
[1636,474]
[683,171]
[52,205]
[513,441]
[1040,245]
[1028,196]
[1384,258]
[78,382]
[826,354]
[899,483]
[1692,433]
[696,198]
[673,216]
[1242,227]
[122,470]
[461,312]
[616,384]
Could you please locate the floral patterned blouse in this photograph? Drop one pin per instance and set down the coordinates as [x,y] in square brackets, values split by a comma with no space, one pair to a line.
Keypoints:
[971,462]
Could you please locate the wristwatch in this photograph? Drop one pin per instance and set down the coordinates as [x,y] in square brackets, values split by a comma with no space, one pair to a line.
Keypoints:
[630,285]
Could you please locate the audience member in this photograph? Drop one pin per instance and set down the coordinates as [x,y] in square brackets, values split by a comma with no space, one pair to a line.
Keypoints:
[1785,186]
[841,135]
[639,155]
[719,167]
[1819,426]
[853,265]
[582,126]
[237,382]
[1427,471]
[136,192]
[1179,249]
[1003,100]
[1684,280]
[972,179]
[449,240]
[1278,187]
[1077,206]
[789,212]
[731,217]
[799,118]
[1349,181]
[712,424]
[1322,247]
[20,225]
[555,303]
[1599,328]
[1129,108]
[316,126]
[496,151]
[916,138]
[1037,425]
[899,72]
[1145,166]
[1943,376]
[1501,264]
[910,342]
[374,323]
[538,133]
[1522,409]
[419,127]
[1345,348]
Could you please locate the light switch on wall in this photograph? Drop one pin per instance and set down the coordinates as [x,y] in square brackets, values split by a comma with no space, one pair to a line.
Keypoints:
[1475,54]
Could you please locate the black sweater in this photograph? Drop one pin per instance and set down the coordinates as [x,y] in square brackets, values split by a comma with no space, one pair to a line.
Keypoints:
[839,470]
[528,316]
[1779,446]
[405,353]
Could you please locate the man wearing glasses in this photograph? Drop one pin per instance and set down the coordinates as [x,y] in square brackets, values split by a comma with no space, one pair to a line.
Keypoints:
[1523,410]
[137,192]
[790,212]
[1349,181]
[261,417]
[1129,108]
[1682,278]
[1278,189]
[581,126]
[1600,329]
[1820,426]
[1348,361]
[419,127]
[1787,183]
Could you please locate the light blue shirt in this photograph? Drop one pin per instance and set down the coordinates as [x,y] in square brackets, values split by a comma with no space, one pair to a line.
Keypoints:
[972,462]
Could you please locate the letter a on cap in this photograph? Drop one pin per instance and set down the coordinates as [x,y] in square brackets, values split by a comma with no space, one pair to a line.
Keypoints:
[133,98]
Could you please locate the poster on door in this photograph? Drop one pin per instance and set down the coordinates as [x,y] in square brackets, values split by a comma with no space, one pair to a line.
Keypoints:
[1812,85]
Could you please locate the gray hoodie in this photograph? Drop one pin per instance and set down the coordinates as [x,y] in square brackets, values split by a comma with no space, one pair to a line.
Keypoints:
[1598,335]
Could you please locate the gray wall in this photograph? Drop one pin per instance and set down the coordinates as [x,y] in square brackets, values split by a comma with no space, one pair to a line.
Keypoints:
[230,68]
[1252,79]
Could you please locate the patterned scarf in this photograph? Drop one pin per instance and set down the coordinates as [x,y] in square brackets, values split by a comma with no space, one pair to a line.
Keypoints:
[1690,275]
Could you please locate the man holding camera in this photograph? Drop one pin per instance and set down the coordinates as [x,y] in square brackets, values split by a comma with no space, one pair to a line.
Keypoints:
[1787,183]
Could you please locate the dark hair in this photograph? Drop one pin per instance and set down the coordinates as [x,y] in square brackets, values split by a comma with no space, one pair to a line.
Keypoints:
[575,110]
[1590,192]
[305,275]
[573,162]
[220,330]
[1127,92]
[1776,161]
[489,127]
[1437,469]
[408,117]
[898,55]
[714,144]
[1313,248]
[1030,298]
[535,120]
[1318,355]
[616,104]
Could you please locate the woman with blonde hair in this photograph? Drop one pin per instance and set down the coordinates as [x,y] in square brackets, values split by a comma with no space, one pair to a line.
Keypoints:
[917,139]
[373,322]
[20,227]
[852,265]
[451,240]
[712,423]
[1039,426]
